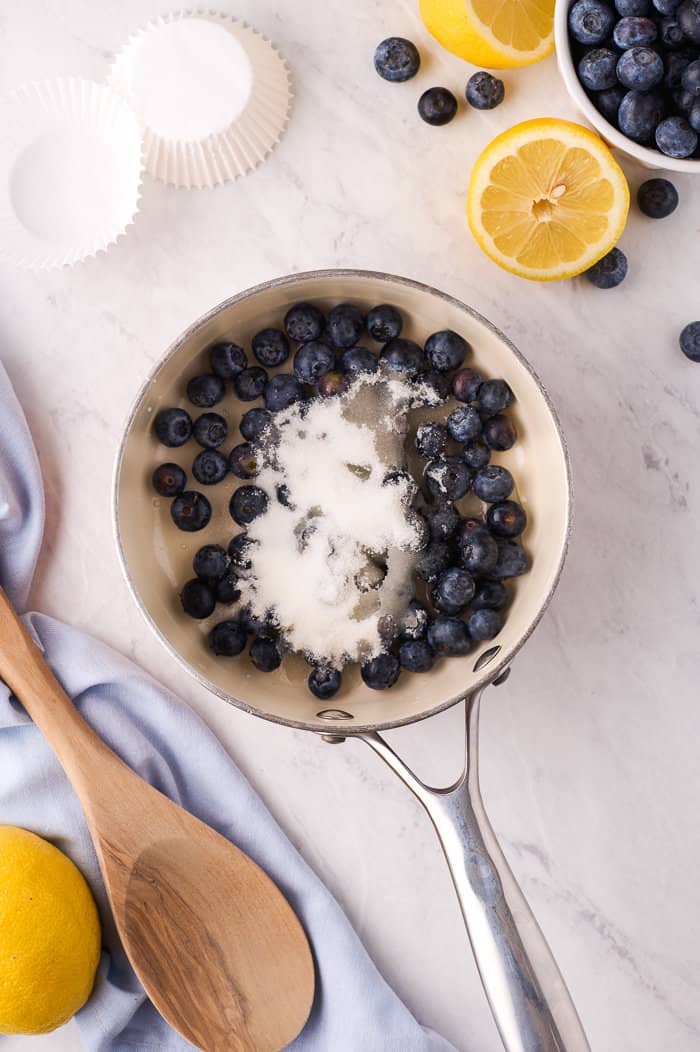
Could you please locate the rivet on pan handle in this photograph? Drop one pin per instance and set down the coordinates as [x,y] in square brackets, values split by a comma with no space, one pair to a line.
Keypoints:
[531,1005]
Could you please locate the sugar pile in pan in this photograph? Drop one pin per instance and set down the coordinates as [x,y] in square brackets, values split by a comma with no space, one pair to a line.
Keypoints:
[339,553]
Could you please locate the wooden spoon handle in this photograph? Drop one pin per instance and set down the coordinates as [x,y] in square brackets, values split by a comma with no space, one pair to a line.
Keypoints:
[83,755]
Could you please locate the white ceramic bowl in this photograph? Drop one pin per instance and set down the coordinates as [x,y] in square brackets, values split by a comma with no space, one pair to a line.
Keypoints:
[649,158]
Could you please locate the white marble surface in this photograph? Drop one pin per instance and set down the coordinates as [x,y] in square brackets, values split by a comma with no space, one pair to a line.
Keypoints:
[591,751]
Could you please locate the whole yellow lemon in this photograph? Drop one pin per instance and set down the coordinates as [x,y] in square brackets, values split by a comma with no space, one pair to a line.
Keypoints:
[49,935]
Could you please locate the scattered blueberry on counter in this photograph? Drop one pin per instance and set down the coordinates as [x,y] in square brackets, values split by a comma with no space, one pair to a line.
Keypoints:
[460,571]
[690,341]
[484,91]
[657,198]
[396,59]
[609,271]
[437,106]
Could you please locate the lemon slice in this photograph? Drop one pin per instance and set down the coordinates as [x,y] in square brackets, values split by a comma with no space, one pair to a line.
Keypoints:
[547,199]
[498,34]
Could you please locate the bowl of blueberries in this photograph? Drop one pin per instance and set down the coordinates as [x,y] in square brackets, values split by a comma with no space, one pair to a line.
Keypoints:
[633,69]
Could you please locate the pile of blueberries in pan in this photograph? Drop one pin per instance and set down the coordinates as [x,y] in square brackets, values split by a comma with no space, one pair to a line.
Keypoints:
[639,61]
[460,572]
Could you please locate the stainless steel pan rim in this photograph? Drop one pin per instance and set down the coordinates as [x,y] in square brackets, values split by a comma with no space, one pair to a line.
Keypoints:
[492,669]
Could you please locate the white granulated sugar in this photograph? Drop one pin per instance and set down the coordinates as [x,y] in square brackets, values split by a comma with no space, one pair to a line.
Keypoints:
[342,555]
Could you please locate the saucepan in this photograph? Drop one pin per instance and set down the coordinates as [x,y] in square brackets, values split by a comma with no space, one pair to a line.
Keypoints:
[527,994]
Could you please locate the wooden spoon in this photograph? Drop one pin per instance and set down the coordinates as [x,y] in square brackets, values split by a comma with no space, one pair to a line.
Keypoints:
[215,944]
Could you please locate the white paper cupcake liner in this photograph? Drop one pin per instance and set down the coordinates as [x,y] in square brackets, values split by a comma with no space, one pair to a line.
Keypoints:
[212,94]
[70,171]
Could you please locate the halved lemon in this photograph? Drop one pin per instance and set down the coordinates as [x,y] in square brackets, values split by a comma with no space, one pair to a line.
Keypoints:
[498,34]
[547,199]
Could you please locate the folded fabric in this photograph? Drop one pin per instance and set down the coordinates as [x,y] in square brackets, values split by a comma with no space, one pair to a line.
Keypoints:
[170,747]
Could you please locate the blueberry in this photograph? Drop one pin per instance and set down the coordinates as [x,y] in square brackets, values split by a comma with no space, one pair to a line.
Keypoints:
[206,390]
[197,599]
[443,520]
[345,325]
[478,551]
[633,7]
[381,672]
[690,79]
[432,561]
[270,347]
[283,390]
[403,356]
[665,7]
[173,427]
[476,455]
[247,503]
[324,682]
[448,478]
[265,655]
[416,656]
[670,33]
[243,461]
[384,323]
[689,17]
[396,59]
[590,21]
[512,560]
[227,639]
[597,70]
[608,102]
[437,106]
[640,68]
[355,360]
[211,562]
[445,350]
[493,483]
[254,422]
[464,423]
[210,467]
[506,519]
[303,322]
[609,271]
[312,360]
[190,511]
[453,590]
[431,439]
[694,116]
[490,595]
[499,433]
[227,360]
[657,198]
[639,114]
[437,382]
[250,383]
[266,626]
[239,551]
[676,64]
[684,101]
[484,624]
[169,480]
[448,636]
[690,341]
[484,91]
[413,623]
[466,384]
[676,138]
[332,384]
[634,32]
[226,588]
[494,395]
[210,430]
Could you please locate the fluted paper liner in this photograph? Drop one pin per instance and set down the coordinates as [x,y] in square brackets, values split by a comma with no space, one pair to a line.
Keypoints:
[70,171]
[212,95]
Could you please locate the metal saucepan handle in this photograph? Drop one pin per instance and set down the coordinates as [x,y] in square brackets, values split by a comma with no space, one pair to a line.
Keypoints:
[529,1000]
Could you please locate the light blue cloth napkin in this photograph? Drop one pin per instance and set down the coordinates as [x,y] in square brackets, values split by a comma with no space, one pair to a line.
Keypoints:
[168,745]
